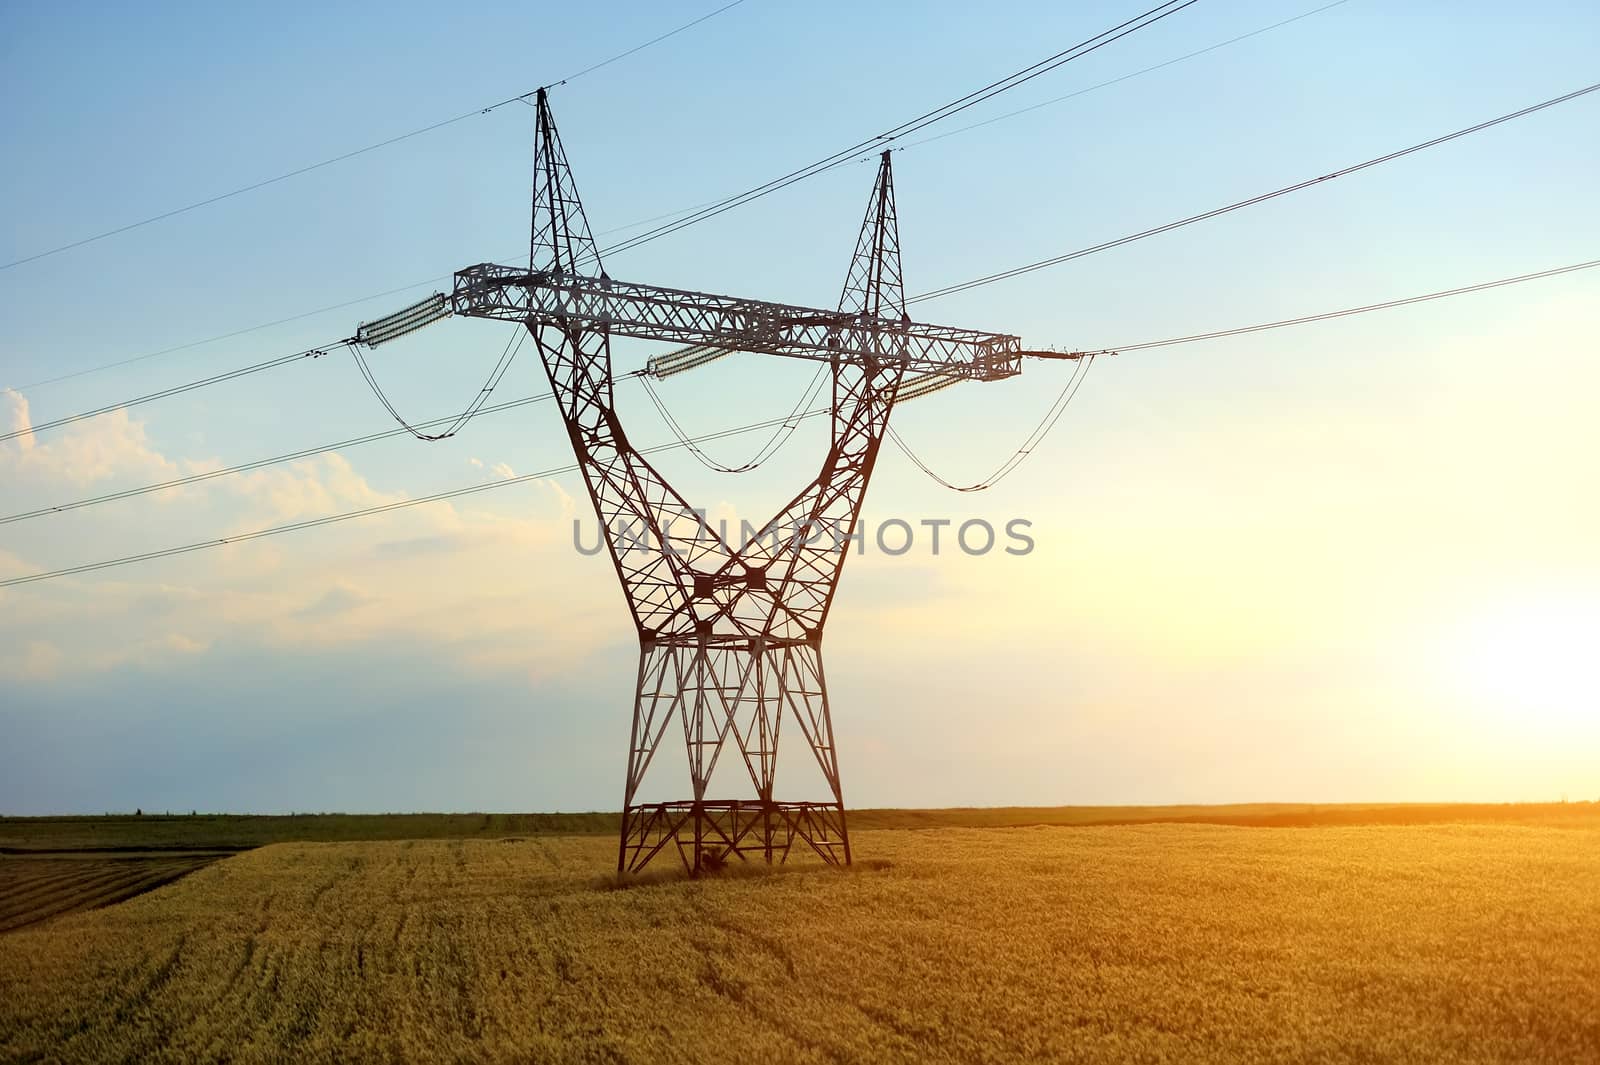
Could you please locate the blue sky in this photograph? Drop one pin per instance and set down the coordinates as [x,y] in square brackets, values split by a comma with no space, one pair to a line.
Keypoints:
[1349,561]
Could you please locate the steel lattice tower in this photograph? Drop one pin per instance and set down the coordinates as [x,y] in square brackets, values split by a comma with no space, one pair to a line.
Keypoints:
[730,639]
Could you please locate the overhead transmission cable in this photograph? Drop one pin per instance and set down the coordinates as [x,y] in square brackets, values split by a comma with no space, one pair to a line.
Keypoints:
[976,282]
[784,426]
[443,279]
[1056,407]
[781,423]
[936,293]
[243,371]
[638,47]
[1118,80]
[1087,357]
[252,187]
[1003,275]
[1057,260]
[513,345]
[926,119]
[646,221]
[775,443]
[257,464]
[384,508]
[391,327]
[1406,301]
[228,336]
[1080,370]
[1053,414]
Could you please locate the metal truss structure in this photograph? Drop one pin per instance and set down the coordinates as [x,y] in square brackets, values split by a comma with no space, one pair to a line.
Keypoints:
[730,639]
[727,323]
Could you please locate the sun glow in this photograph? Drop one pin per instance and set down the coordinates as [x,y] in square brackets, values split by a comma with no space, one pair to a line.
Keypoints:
[1533,662]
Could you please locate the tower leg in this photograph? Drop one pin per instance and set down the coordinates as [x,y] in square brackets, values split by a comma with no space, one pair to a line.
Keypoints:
[731,697]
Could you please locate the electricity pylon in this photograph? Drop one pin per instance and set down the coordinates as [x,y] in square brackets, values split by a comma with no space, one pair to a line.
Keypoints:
[730,638]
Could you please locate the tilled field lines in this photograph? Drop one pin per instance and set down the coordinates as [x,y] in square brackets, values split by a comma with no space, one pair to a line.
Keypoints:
[36,887]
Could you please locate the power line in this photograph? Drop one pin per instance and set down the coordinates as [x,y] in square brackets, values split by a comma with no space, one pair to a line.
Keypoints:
[229,336]
[281,360]
[682,211]
[513,346]
[773,445]
[785,425]
[501,366]
[1087,357]
[927,118]
[1117,81]
[785,428]
[695,214]
[638,47]
[937,293]
[934,294]
[1003,275]
[1481,286]
[444,279]
[989,278]
[384,508]
[247,467]
[358,151]
[1080,371]
[1052,416]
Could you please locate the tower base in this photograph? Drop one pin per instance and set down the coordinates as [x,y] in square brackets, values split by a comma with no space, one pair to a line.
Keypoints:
[707,835]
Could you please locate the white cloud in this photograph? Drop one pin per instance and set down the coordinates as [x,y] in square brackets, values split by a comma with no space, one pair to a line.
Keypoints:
[310,488]
[18,419]
[462,582]
[113,444]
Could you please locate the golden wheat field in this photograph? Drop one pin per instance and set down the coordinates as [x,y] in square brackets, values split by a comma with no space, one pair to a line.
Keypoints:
[1472,943]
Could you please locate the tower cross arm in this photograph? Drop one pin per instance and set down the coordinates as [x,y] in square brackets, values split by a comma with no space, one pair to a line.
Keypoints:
[733,323]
